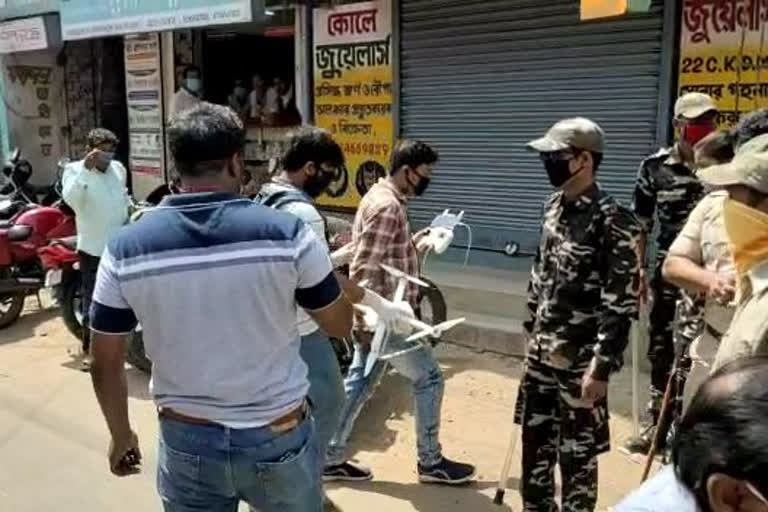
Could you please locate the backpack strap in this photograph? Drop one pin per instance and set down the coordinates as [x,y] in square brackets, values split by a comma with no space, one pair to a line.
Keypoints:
[278,200]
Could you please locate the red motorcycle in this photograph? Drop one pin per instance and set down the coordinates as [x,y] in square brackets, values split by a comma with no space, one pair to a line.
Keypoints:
[61,265]
[21,272]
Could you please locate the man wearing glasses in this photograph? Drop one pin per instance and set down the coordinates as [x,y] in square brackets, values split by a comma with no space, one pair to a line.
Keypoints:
[582,297]
[309,164]
[667,187]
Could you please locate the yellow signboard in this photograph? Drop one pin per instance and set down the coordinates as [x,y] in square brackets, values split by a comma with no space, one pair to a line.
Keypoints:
[594,9]
[723,53]
[354,93]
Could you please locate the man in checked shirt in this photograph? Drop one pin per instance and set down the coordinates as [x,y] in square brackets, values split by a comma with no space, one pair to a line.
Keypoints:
[381,234]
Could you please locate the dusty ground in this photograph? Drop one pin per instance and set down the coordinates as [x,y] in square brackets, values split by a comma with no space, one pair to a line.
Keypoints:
[53,440]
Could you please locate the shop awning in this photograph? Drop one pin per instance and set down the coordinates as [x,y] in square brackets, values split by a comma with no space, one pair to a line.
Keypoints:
[84,19]
[12,9]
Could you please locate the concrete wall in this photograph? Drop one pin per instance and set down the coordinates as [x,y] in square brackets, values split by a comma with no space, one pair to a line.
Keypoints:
[35,104]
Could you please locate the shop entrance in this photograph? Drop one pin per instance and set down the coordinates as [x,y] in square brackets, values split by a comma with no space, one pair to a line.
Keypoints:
[251,68]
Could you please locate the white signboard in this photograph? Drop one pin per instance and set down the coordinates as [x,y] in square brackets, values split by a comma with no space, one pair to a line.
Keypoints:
[86,19]
[23,35]
[145,119]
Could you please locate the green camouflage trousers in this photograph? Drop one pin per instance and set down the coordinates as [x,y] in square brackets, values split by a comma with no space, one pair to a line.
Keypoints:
[559,428]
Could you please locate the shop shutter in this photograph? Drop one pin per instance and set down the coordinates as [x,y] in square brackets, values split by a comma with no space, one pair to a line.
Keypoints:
[479,79]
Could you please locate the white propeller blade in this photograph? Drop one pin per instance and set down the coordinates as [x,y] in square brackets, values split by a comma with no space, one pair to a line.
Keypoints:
[435,331]
[402,275]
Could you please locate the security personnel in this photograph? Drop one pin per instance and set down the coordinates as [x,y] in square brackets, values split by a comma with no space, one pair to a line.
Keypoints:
[583,295]
[667,187]
[745,216]
[700,262]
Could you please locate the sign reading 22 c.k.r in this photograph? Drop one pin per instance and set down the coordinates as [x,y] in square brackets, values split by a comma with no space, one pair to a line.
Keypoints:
[724,53]
[354,94]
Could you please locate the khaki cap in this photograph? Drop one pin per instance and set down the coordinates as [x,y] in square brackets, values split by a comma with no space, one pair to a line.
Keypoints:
[693,105]
[577,132]
[749,167]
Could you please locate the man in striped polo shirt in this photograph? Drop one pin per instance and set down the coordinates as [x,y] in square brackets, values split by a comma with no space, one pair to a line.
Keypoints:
[215,280]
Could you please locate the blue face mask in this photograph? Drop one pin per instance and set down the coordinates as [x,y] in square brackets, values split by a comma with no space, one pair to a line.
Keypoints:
[194,84]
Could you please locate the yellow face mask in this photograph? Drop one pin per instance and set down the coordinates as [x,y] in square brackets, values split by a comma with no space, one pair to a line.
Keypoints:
[747,230]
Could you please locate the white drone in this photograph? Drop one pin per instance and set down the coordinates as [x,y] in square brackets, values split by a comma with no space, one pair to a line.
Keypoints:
[379,341]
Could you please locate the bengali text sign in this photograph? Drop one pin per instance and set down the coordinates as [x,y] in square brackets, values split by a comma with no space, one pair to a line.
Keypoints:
[353,93]
[724,53]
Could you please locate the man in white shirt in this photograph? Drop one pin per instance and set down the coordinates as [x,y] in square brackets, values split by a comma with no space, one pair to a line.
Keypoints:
[190,92]
[278,97]
[95,189]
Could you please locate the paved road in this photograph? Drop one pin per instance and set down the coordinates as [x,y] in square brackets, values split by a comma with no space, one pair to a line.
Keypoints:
[53,440]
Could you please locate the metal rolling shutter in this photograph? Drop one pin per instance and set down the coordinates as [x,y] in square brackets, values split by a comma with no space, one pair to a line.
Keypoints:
[479,79]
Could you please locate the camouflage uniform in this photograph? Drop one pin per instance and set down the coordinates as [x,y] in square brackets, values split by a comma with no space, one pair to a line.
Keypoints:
[668,188]
[582,298]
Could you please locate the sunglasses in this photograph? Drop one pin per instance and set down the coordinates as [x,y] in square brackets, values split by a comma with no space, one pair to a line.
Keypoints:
[556,156]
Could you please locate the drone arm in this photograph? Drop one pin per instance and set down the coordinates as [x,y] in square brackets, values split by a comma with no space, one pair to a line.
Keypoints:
[343,256]
[418,324]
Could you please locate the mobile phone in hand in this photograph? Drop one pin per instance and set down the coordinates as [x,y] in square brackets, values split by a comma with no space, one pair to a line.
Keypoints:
[130,460]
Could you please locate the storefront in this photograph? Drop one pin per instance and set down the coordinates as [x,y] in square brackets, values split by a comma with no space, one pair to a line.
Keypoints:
[480,79]
[253,68]
[34,114]
[229,40]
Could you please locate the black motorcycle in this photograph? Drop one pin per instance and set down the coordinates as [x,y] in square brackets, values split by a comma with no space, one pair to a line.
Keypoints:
[17,193]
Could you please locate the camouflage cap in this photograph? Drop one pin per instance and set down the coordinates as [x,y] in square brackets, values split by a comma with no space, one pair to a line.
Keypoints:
[749,167]
[693,105]
[577,132]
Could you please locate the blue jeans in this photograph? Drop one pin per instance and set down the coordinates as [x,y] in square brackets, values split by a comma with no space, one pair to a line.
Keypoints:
[426,378]
[213,468]
[326,386]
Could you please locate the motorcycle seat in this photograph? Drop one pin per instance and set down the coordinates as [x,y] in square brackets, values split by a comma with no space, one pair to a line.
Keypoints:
[19,232]
[69,242]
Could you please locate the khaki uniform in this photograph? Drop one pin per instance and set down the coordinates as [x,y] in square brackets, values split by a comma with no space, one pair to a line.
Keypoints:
[748,333]
[704,241]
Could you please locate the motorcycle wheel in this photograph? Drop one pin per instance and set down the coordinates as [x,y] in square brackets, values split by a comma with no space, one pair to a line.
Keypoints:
[135,354]
[11,305]
[71,306]
[432,307]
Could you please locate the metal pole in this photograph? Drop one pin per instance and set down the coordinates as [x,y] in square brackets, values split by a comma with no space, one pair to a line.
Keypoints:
[636,376]
[4,133]
[501,488]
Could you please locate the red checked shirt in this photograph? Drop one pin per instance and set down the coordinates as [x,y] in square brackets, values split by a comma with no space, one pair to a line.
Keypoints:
[381,234]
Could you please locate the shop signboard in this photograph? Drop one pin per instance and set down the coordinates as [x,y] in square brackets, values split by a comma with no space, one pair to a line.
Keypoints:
[82,19]
[23,35]
[145,113]
[354,94]
[724,53]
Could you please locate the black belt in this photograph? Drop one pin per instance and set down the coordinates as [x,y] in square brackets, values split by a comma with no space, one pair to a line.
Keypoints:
[714,332]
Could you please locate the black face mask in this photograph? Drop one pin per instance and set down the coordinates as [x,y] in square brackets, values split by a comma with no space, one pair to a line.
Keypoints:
[558,172]
[421,186]
[315,185]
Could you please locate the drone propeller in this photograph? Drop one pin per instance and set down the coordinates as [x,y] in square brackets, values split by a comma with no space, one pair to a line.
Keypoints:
[437,330]
[402,275]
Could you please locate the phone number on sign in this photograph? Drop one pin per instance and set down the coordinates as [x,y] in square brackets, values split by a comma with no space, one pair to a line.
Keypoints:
[366,148]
